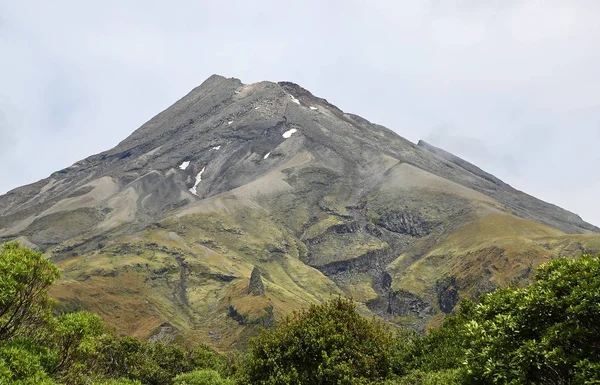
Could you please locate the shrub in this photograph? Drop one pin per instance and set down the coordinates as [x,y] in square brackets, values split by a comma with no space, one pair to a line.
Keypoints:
[25,276]
[544,333]
[121,381]
[20,366]
[154,364]
[201,377]
[328,343]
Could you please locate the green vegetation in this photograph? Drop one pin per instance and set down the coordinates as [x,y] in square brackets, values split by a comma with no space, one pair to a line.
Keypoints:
[544,333]
[202,377]
[326,344]
[24,279]
[75,348]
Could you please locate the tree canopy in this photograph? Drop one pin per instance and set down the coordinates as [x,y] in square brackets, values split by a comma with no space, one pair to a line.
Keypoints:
[329,343]
[25,276]
[545,333]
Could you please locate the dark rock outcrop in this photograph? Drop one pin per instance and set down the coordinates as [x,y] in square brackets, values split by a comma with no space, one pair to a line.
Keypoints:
[267,319]
[256,286]
[403,303]
[165,334]
[404,222]
[447,293]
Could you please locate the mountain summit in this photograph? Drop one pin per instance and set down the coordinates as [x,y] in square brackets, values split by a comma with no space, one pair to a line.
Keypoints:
[267,180]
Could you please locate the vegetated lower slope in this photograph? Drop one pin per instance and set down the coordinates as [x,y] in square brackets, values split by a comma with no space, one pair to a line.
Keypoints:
[160,234]
[542,333]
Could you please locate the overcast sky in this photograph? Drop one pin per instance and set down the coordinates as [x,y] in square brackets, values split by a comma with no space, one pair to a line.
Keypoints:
[512,86]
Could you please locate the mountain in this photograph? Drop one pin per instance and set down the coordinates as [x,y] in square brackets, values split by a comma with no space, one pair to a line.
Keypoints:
[241,203]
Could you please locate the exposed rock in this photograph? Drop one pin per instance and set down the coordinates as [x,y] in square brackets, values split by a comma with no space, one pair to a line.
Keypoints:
[447,293]
[265,320]
[386,281]
[165,334]
[350,227]
[256,286]
[484,286]
[404,222]
[402,303]
[222,277]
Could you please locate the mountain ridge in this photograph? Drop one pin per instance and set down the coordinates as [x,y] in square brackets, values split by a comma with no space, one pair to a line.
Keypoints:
[235,178]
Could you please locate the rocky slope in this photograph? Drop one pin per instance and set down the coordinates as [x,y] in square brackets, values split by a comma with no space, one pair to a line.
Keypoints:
[165,231]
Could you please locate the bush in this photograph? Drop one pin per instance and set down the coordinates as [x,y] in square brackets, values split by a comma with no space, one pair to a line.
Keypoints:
[74,348]
[201,377]
[154,364]
[20,366]
[25,276]
[544,333]
[420,377]
[121,381]
[440,349]
[329,343]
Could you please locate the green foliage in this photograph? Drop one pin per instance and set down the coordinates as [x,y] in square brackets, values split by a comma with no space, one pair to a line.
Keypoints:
[25,276]
[20,366]
[441,349]
[121,381]
[74,348]
[422,377]
[76,339]
[201,377]
[546,333]
[154,363]
[329,343]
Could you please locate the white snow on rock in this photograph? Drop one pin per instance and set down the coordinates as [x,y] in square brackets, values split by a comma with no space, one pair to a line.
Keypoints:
[294,99]
[198,180]
[313,108]
[231,121]
[289,133]
[257,107]
[267,155]
[184,165]
[216,148]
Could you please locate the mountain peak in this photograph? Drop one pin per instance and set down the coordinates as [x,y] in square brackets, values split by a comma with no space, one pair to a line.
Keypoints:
[267,177]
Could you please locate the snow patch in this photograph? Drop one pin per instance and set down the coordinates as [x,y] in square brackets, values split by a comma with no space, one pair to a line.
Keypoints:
[295,100]
[313,108]
[184,165]
[216,148]
[231,121]
[267,155]
[289,133]
[257,107]
[198,180]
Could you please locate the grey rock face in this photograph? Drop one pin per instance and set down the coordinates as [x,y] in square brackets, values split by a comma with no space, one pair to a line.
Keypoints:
[256,286]
[447,292]
[166,334]
[227,129]
[404,222]
[406,304]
